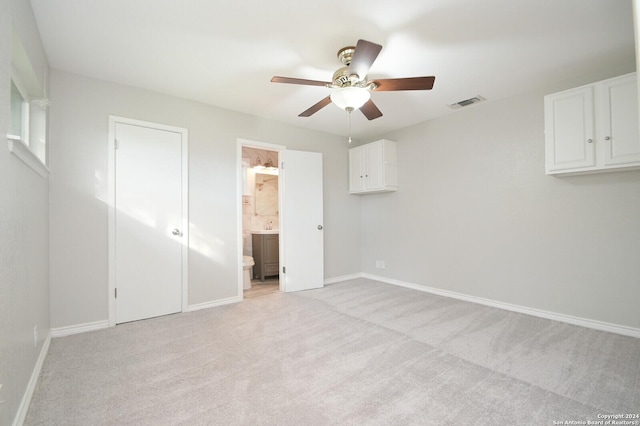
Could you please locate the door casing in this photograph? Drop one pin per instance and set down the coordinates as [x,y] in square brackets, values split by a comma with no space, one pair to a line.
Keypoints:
[260,145]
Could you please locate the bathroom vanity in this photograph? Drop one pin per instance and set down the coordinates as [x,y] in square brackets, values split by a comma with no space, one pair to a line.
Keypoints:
[266,253]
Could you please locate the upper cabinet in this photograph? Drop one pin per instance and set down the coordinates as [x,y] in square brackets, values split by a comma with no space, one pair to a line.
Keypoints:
[373,168]
[593,128]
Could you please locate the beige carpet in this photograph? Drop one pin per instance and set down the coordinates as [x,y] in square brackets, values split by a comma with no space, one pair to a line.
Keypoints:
[353,353]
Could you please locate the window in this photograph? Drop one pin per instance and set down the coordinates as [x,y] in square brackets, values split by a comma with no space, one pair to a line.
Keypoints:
[28,106]
[19,114]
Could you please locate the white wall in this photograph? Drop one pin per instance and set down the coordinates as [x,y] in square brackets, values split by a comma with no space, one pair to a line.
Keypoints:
[476,214]
[24,256]
[79,126]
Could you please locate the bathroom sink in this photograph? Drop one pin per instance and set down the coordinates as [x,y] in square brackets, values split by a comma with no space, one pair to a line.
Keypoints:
[266,231]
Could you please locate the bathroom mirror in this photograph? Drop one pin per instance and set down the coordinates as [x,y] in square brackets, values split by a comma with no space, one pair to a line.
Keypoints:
[266,195]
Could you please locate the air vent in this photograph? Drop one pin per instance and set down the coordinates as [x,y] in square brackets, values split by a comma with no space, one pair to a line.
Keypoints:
[467,102]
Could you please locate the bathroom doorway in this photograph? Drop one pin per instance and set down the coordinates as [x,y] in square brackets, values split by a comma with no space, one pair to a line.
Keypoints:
[260,220]
[297,229]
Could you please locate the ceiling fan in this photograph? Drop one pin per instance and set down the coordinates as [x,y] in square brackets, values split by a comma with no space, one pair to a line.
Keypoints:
[350,88]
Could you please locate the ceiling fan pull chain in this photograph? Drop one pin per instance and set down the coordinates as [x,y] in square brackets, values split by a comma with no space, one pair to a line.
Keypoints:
[349,125]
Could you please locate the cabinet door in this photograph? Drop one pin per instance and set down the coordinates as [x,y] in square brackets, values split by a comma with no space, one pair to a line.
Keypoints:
[356,169]
[620,133]
[374,168]
[271,249]
[569,130]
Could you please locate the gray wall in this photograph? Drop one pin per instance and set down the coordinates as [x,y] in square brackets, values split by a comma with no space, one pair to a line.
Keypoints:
[79,129]
[476,214]
[24,228]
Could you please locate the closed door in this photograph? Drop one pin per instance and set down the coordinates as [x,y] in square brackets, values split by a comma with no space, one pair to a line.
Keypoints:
[148,222]
[302,234]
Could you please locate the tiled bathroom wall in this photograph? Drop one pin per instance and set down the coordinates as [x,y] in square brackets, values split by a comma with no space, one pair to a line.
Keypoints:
[260,195]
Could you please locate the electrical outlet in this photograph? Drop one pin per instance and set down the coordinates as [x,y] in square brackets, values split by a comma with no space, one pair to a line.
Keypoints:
[380,264]
[35,336]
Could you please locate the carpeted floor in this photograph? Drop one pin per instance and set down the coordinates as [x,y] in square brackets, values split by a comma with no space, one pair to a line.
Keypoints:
[353,353]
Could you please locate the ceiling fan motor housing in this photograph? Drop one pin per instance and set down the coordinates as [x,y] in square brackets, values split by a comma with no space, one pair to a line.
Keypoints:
[342,77]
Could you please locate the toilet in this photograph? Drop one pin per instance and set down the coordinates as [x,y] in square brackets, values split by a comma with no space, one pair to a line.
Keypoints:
[247,263]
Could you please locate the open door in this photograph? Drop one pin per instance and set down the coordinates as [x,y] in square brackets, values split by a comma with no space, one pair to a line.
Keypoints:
[302,239]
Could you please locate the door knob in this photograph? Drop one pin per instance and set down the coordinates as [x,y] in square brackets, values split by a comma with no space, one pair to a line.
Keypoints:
[176,231]
[320,227]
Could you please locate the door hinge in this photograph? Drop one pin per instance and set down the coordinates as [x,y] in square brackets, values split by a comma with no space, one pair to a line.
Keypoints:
[116,293]
[282,165]
[115,144]
[284,269]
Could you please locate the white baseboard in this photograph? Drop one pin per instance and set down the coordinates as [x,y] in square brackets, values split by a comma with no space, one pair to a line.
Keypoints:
[214,303]
[583,322]
[33,381]
[99,325]
[79,328]
[343,278]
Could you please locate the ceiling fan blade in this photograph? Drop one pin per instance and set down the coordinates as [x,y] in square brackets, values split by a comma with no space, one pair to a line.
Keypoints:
[363,57]
[412,83]
[370,110]
[315,108]
[299,81]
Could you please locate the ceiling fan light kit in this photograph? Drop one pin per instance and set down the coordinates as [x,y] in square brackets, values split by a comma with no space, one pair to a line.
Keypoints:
[349,98]
[350,88]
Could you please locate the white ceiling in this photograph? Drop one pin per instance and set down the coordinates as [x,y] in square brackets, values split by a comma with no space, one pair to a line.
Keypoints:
[224,53]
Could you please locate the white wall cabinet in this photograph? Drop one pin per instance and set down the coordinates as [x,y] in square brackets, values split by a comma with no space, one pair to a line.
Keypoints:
[593,128]
[373,168]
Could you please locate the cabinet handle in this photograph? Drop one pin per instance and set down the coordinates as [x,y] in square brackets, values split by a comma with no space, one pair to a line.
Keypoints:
[589,140]
[607,138]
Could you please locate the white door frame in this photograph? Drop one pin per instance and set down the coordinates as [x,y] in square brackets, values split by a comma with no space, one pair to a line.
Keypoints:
[111,198]
[259,145]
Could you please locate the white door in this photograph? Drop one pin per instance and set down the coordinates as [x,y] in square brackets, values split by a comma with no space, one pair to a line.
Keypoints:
[148,222]
[302,254]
